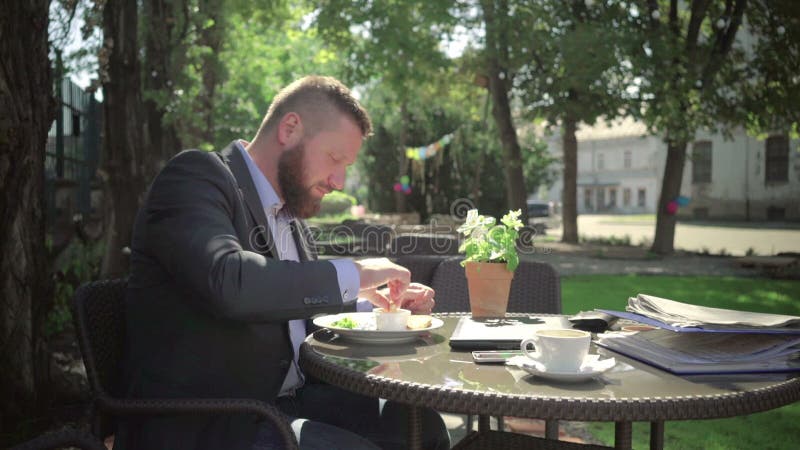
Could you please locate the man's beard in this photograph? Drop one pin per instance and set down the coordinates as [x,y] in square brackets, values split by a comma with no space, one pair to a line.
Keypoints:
[291,173]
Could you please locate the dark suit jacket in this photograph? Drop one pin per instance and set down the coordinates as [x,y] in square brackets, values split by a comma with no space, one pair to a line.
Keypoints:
[208,302]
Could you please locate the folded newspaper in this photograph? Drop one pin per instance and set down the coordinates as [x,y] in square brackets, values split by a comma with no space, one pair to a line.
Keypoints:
[710,353]
[687,315]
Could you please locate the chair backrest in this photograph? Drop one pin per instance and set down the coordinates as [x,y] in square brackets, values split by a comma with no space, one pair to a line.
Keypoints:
[98,313]
[536,288]
[422,267]
[421,244]
[367,239]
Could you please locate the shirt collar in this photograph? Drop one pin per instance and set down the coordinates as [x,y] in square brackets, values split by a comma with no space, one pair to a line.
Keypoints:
[270,201]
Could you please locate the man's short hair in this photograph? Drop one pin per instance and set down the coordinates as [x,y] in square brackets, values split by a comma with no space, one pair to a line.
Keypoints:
[316,99]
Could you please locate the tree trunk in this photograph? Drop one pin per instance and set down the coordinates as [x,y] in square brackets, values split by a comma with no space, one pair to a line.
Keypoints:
[161,46]
[27,110]
[569,212]
[400,203]
[664,240]
[210,36]
[501,110]
[126,151]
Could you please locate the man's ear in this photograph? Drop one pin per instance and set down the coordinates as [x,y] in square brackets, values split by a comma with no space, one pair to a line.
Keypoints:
[290,129]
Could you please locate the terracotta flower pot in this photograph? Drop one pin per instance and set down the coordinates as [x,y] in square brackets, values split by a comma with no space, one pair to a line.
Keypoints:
[489,285]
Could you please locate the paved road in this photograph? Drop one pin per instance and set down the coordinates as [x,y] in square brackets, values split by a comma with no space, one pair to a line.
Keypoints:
[734,238]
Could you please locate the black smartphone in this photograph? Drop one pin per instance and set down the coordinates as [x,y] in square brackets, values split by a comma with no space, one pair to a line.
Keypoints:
[494,356]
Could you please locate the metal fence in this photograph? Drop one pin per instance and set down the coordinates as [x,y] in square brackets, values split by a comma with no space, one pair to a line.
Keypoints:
[72,155]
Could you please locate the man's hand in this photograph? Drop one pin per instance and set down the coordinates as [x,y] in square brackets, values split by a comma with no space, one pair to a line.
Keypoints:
[418,298]
[375,272]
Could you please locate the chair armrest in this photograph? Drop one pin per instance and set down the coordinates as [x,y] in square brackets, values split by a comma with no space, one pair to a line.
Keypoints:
[66,437]
[167,406]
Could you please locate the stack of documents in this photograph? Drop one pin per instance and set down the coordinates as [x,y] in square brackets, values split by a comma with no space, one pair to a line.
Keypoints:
[707,353]
[685,317]
[700,340]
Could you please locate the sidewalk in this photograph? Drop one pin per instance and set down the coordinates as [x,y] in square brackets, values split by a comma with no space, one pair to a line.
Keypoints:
[585,259]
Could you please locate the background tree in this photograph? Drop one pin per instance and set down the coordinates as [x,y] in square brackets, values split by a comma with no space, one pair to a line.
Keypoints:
[126,152]
[685,55]
[469,167]
[395,43]
[166,34]
[570,74]
[26,112]
[773,76]
[504,29]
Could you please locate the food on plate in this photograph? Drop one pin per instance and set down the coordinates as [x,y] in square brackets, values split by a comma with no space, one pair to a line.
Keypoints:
[419,322]
[345,322]
[391,320]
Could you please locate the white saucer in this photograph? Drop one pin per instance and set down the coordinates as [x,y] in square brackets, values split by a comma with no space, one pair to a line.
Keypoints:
[591,367]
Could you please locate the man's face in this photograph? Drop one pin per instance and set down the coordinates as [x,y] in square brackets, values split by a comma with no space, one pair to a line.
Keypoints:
[316,166]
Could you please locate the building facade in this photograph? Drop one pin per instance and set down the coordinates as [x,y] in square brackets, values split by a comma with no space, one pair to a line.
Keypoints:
[620,168]
[746,178]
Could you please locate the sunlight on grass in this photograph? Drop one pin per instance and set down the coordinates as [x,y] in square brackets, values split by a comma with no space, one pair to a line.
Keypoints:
[777,429]
[586,292]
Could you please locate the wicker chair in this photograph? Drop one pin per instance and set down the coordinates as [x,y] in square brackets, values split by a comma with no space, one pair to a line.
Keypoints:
[98,312]
[368,239]
[66,437]
[422,267]
[422,244]
[536,288]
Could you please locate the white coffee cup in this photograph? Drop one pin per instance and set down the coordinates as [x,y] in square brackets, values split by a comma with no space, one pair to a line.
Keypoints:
[559,350]
[391,321]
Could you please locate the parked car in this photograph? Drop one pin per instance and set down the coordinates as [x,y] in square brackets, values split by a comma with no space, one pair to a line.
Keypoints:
[543,214]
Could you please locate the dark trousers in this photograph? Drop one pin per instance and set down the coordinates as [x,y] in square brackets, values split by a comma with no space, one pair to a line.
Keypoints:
[383,423]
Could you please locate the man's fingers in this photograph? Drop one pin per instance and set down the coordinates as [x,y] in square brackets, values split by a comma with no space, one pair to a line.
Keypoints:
[380,300]
[375,272]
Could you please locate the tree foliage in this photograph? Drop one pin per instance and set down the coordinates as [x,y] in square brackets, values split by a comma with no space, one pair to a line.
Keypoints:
[469,168]
[708,65]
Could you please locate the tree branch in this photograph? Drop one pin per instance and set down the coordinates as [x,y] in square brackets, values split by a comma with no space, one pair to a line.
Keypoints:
[723,42]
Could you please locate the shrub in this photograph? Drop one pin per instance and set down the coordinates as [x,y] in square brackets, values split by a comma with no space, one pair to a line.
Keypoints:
[336,203]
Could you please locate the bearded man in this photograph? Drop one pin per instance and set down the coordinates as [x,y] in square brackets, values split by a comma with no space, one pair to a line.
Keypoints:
[223,280]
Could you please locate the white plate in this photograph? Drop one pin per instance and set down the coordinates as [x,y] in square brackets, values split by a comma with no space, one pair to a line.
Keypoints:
[366,332]
[591,367]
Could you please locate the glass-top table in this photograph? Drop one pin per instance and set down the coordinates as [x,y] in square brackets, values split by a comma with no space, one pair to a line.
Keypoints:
[428,373]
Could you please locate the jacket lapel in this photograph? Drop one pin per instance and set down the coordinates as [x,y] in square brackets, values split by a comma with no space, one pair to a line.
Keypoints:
[303,240]
[264,242]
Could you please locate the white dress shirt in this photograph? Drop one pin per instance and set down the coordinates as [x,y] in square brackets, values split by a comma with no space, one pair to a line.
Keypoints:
[279,224]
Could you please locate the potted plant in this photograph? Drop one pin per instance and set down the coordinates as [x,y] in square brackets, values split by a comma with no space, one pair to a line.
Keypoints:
[491,258]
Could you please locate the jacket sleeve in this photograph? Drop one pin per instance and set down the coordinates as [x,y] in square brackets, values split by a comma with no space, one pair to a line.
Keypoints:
[188,221]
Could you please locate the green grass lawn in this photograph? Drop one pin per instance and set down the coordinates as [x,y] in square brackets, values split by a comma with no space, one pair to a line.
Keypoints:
[775,429]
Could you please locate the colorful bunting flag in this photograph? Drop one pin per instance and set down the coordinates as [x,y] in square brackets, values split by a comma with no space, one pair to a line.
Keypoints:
[428,151]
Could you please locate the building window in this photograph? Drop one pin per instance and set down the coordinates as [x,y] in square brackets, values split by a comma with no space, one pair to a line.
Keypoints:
[776,213]
[601,163]
[701,162]
[612,198]
[601,199]
[777,150]
[642,200]
[626,197]
[627,160]
[587,199]
[700,213]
